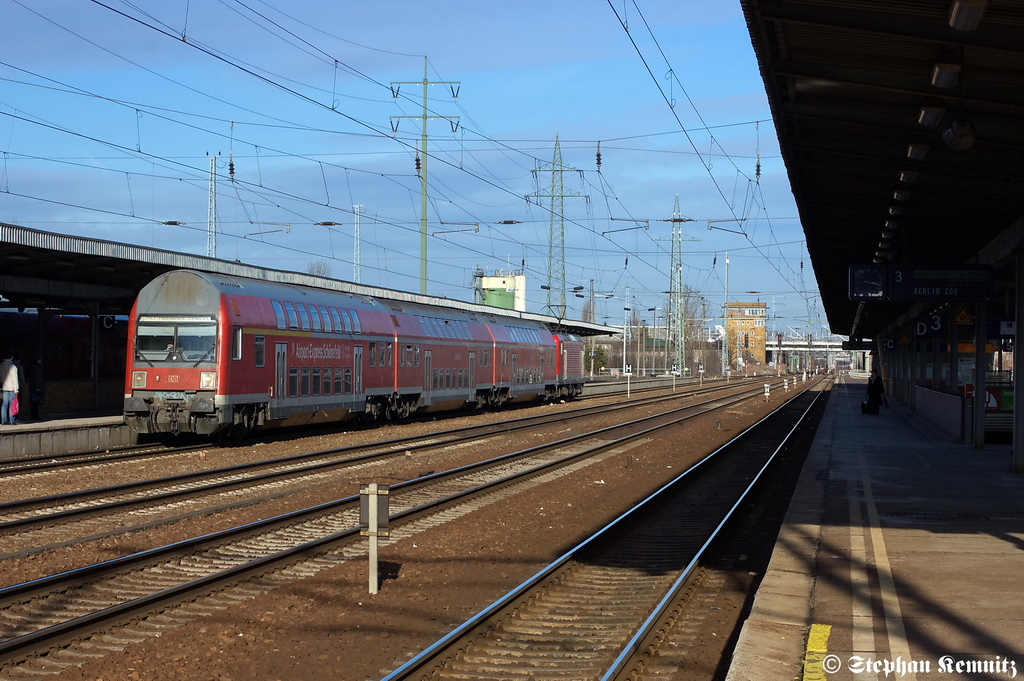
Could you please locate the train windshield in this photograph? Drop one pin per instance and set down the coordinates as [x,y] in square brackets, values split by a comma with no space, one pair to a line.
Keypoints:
[176,339]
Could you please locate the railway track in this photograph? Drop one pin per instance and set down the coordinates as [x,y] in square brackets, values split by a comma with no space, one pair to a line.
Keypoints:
[68,607]
[62,462]
[30,524]
[607,609]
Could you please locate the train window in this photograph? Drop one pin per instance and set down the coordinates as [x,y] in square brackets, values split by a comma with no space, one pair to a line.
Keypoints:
[355,322]
[387,356]
[373,353]
[416,356]
[433,379]
[303,316]
[327,319]
[315,317]
[316,381]
[176,339]
[236,342]
[293,319]
[339,327]
[279,314]
[259,354]
[293,381]
[447,378]
[337,380]
[348,380]
[305,381]
[327,380]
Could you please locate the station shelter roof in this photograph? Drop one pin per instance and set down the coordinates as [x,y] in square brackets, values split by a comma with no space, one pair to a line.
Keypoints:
[56,271]
[900,117]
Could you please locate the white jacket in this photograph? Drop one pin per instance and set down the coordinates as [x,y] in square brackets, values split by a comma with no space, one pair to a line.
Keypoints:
[9,376]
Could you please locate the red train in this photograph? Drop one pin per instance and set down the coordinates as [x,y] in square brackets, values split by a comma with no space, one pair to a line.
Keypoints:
[213,354]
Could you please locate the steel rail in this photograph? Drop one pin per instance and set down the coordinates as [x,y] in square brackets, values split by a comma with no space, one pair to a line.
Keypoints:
[392,447]
[438,654]
[71,629]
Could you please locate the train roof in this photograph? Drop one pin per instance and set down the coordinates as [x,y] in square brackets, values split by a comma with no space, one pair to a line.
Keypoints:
[370,297]
[46,269]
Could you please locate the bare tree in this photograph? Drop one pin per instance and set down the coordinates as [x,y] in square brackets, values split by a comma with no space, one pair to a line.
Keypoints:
[319,268]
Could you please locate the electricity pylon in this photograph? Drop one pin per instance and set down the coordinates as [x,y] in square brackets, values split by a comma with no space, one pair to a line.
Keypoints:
[676,292]
[556,231]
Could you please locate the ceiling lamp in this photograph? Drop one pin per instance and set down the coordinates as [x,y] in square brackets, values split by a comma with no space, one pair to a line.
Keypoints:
[901,195]
[888,235]
[909,176]
[891,224]
[959,136]
[944,74]
[930,115]
[895,210]
[884,245]
[877,259]
[965,15]
[917,152]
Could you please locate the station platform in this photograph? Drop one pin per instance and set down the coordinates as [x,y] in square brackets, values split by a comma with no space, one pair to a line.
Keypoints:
[899,558]
[54,436]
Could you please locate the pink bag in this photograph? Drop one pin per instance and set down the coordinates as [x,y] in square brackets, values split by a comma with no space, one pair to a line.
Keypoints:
[14,406]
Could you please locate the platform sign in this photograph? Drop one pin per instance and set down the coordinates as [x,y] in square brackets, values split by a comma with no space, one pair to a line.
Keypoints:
[868,282]
[859,345]
[964,283]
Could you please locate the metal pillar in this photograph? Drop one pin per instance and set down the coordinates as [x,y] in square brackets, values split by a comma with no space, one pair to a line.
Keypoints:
[915,367]
[423,161]
[980,369]
[1018,356]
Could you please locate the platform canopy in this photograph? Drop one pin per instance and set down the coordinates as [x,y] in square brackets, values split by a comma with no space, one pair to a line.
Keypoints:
[900,126]
[57,271]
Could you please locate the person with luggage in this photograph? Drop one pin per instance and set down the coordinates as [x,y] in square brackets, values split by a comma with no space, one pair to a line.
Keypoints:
[876,392]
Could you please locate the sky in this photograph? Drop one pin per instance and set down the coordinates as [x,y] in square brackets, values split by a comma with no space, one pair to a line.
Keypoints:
[111,110]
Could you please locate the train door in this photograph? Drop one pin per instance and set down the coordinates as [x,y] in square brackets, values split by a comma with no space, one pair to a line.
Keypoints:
[515,377]
[427,377]
[472,375]
[280,381]
[357,370]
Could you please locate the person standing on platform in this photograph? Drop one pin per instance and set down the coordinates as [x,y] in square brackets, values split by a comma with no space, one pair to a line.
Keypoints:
[36,386]
[9,384]
[876,390]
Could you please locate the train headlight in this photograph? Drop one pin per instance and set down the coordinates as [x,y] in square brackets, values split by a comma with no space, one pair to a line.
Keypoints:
[138,379]
[208,380]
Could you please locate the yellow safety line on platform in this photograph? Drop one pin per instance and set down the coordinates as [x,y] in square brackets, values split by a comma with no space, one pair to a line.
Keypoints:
[862,636]
[817,648]
[898,645]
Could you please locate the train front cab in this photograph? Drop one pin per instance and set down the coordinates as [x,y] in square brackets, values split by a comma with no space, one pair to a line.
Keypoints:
[176,351]
[173,379]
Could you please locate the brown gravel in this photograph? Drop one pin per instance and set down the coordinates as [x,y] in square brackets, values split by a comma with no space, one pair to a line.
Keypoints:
[328,626]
